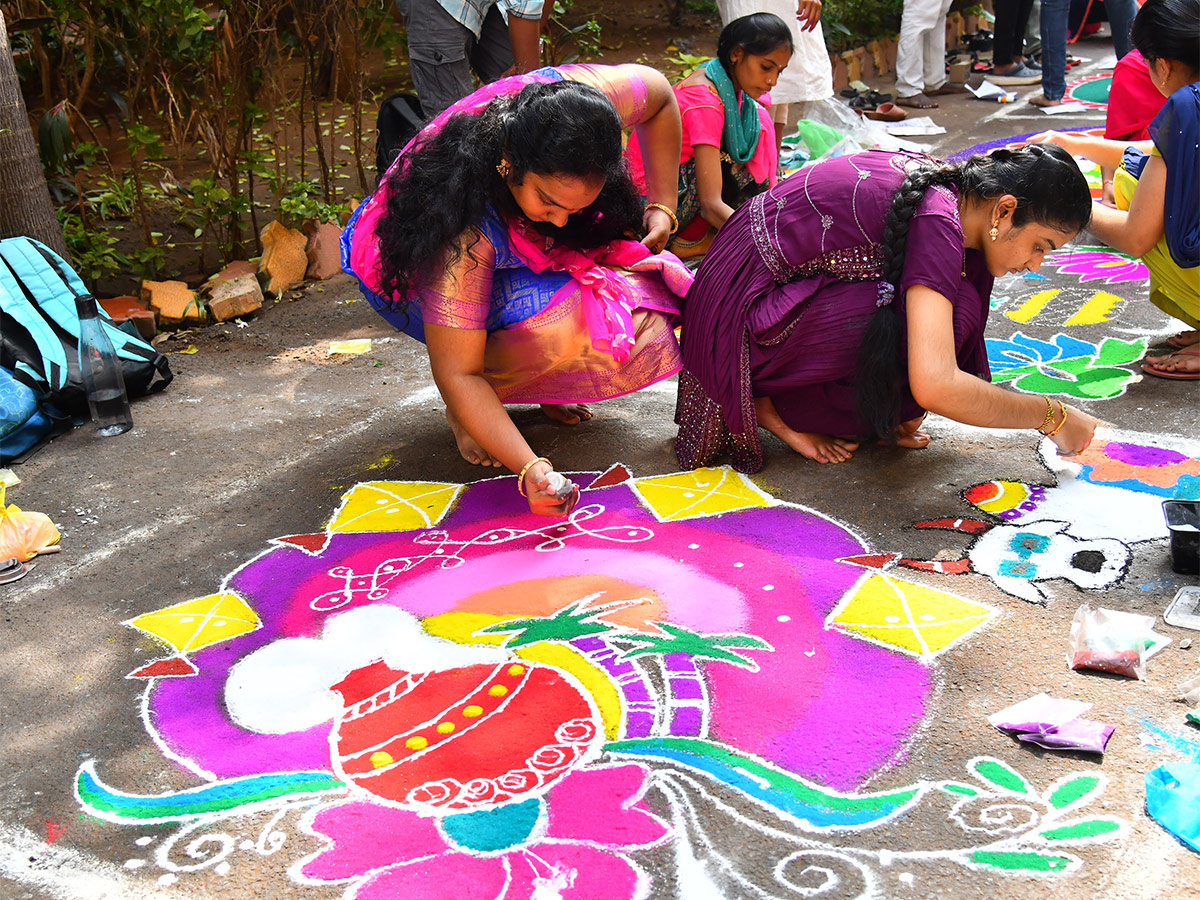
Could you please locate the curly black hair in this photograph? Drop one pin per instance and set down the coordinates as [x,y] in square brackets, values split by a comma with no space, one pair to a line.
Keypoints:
[1049,189]
[447,181]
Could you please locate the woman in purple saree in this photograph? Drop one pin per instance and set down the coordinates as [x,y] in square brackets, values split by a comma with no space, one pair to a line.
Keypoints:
[851,298]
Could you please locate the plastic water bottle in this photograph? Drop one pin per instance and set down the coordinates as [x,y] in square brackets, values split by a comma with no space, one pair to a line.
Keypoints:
[108,402]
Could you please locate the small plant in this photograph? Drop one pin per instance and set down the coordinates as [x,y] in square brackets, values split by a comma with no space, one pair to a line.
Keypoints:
[300,202]
[93,250]
[572,42]
[688,63]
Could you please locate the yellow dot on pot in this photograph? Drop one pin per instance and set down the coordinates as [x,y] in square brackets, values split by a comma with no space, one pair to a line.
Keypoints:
[380,758]
[516,670]
[416,742]
[445,727]
[497,690]
[473,711]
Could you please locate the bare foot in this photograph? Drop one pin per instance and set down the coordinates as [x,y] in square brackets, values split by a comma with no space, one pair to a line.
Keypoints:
[916,101]
[1182,364]
[1184,339]
[1043,101]
[910,434]
[824,448]
[468,446]
[567,413]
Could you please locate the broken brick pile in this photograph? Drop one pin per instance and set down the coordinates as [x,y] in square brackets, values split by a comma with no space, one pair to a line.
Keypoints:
[288,258]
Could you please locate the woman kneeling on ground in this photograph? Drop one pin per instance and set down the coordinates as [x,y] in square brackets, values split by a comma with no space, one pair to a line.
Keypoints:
[852,298]
[1157,182]
[729,150]
[499,239]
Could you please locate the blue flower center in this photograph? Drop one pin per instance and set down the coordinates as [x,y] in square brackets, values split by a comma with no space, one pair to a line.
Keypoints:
[488,830]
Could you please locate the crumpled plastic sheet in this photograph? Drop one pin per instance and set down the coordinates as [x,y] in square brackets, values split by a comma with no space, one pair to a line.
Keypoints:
[1189,691]
[24,534]
[1173,800]
[1053,723]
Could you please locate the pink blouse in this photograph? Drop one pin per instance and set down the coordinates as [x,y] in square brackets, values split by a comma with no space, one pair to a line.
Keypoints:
[703,117]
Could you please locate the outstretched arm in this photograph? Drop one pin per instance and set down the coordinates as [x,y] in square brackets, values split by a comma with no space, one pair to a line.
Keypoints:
[1099,150]
[1136,230]
[456,358]
[940,386]
[660,135]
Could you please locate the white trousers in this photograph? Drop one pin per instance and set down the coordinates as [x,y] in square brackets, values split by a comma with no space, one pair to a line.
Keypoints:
[921,50]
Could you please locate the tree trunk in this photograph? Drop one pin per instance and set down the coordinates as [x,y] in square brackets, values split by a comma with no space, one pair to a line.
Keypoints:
[25,207]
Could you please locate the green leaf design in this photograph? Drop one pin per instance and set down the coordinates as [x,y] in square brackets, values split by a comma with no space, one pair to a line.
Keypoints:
[1073,790]
[956,787]
[1071,377]
[1082,830]
[1115,352]
[1022,862]
[1001,774]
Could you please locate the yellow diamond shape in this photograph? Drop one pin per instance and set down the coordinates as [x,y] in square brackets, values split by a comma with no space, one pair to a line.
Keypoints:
[909,617]
[704,492]
[394,505]
[193,624]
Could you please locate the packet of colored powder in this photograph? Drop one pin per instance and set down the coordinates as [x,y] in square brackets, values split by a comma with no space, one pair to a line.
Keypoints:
[1111,641]
[1053,723]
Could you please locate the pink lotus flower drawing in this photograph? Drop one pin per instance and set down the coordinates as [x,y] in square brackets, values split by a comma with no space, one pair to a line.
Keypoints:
[570,843]
[1098,263]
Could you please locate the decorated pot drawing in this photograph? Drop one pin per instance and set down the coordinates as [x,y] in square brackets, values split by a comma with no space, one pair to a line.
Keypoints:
[469,738]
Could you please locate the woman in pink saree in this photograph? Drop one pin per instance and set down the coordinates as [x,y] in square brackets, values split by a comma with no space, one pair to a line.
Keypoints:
[501,239]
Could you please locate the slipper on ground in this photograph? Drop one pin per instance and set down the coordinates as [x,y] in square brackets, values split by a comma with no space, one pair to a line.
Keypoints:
[886,112]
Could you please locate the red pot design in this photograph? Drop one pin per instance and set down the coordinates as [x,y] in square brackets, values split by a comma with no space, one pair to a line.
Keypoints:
[467,738]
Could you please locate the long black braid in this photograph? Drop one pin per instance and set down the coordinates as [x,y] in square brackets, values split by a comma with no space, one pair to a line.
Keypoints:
[1049,189]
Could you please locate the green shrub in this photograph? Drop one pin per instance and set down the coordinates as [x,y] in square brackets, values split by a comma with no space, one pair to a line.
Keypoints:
[852,23]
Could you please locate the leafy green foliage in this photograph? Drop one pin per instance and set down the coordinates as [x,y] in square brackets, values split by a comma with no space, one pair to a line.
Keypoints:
[93,250]
[849,23]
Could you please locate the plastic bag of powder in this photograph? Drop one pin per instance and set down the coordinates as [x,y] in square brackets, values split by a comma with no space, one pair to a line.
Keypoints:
[1110,641]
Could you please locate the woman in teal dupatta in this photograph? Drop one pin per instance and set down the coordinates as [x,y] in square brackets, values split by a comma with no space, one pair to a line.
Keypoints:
[729,152]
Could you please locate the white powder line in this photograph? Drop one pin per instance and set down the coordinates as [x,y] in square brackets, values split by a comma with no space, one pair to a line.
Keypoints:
[70,874]
[147,533]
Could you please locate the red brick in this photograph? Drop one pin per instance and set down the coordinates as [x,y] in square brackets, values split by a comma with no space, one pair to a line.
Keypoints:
[284,261]
[228,299]
[324,250]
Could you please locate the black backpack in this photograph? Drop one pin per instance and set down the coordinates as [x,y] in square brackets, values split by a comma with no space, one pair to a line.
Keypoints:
[400,118]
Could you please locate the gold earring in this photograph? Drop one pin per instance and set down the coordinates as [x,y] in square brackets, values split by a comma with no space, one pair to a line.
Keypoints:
[504,169]
[995,232]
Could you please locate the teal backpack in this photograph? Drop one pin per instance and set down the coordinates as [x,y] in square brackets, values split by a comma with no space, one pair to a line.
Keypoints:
[40,382]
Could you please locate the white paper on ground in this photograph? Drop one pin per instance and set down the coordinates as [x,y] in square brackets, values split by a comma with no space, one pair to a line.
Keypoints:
[1064,108]
[989,91]
[919,125]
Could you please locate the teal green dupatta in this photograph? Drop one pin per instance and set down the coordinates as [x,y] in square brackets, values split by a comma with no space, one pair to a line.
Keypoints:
[742,125]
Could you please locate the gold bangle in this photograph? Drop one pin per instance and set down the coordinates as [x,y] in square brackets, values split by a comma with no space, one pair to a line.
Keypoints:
[1062,408]
[1049,418]
[670,212]
[525,468]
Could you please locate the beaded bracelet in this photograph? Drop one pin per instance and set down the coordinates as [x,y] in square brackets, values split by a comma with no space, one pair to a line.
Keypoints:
[525,468]
[669,212]
[1062,408]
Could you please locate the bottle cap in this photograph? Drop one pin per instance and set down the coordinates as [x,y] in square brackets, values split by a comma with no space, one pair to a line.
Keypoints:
[85,305]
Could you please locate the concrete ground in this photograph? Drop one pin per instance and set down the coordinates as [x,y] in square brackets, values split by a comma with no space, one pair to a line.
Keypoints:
[263,432]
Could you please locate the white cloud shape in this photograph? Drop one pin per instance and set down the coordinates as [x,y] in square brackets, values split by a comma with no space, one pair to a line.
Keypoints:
[284,686]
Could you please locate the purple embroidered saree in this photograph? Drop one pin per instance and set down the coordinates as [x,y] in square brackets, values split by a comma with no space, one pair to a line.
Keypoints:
[782,299]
